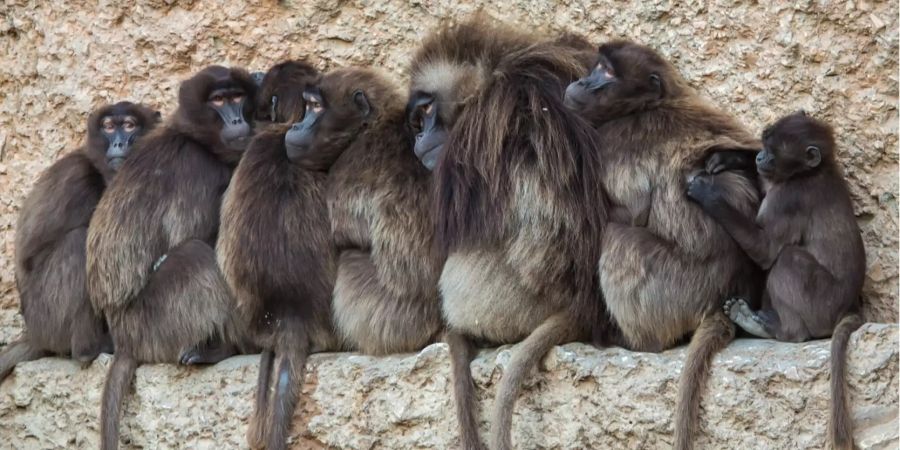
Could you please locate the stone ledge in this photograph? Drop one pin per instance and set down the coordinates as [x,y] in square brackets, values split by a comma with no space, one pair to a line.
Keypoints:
[763,394]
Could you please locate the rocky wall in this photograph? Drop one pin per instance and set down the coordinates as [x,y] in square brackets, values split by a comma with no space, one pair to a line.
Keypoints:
[762,395]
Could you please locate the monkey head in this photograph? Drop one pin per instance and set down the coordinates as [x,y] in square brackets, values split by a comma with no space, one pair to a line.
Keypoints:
[216,107]
[794,145]
[339,107]
[439,92]
[112,131]
[280,98]
[627,78]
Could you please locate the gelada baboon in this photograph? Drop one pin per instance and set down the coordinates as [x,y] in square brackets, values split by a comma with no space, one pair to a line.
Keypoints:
[668,277]
[50,241]
[276,247]
[386,294]
[517,200]
[806,237]
[151,268]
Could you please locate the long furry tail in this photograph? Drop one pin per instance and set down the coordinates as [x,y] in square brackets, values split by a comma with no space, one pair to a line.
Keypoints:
[257,431]
[17,352]
[552,332]
[291,353]
[461,353]
[118,380]
[840,428]
[713,334]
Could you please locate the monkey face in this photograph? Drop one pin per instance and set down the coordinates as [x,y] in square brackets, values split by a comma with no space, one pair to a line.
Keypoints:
[217,106]
[113,130]
[794,145]
[627,78]
[431,134]
[333,118]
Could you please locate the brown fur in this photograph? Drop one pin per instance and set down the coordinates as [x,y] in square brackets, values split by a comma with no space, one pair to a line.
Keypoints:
[165,202]
[518,204]
[279,205]
[386,297]
[669,278]
[283,81]
[806,235]
[50,249]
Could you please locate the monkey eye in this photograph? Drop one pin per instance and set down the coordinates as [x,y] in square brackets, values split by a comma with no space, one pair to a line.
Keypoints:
[217,100]
[314,105]
[237,99]
[428,108]
[108,125]
[129,125]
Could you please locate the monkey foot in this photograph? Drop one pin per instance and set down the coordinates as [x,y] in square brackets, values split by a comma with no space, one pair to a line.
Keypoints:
[740,313]
[205,355]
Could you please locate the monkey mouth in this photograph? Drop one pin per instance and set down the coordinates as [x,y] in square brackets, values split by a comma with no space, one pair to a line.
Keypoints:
[239,143]
[115,163]
[429,157]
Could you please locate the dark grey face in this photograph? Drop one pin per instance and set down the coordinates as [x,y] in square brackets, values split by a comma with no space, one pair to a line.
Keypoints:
[431,134]
[299,138]
[580,92]
[120,131]
[229,104]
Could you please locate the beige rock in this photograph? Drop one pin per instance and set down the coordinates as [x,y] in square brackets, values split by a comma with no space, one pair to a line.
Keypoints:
[762,395]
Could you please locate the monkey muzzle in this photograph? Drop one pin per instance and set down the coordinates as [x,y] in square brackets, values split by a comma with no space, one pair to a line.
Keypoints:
[579,93]
[235,130]
[119,145]
[430,143]
[299,138]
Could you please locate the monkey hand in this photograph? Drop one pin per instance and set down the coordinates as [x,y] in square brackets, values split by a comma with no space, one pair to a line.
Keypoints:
[702,189]
[717,162]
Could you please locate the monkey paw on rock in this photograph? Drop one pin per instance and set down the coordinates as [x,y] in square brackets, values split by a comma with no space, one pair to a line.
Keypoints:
[740,313]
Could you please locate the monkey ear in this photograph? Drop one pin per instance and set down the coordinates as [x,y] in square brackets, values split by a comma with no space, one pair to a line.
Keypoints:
[813,156]
[657,84]
[362,102]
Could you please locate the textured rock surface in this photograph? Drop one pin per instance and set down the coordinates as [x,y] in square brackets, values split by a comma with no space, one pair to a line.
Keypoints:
[838,60]
[763,395]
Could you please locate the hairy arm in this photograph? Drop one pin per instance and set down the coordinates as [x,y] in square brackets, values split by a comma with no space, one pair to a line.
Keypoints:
[743,229]
[62,200]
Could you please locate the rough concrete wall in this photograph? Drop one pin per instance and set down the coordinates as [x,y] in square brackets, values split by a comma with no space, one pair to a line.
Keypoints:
[838,60]
[762,395]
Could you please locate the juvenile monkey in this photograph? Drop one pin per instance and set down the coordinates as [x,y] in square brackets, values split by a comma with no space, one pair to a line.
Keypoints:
[806,237]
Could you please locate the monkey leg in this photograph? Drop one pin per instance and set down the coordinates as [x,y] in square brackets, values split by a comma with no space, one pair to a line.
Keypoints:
[656,294]
[461,354]
[186,303]
[375,319]
[291,353]
[55,303]
[805,297]
[19,351]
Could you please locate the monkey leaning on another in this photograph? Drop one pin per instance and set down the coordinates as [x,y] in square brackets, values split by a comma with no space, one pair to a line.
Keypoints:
[806,236]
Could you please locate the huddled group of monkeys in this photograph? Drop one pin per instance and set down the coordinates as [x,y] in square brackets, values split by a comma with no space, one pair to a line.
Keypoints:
[528,188]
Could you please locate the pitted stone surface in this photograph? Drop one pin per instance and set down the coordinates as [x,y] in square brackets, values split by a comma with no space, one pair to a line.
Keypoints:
[762,395]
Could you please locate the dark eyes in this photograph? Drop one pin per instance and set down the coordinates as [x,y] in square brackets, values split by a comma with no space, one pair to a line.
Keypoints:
[217,100]
[108,126]
[421,113]
[129,125]
[314,105]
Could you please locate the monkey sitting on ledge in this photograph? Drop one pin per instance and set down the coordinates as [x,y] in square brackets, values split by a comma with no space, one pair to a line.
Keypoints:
[806,236]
